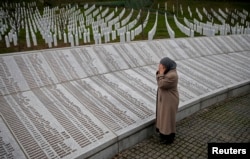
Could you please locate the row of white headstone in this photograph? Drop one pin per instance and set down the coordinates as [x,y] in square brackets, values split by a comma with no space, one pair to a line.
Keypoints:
[209,28]
[76,24]
[100,28]
[89,10]
[151,33]
[199,14]
[48,27]
[126,33]
[222,16]
[223,28]
[208,15]
[107,30]
[126,20]
[47,34]
[184,29]
[171,33]
[202,28]
[190,12]
[11,37]
[44,26]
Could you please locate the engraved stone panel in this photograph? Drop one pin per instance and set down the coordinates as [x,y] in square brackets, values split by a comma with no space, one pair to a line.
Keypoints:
[75,102]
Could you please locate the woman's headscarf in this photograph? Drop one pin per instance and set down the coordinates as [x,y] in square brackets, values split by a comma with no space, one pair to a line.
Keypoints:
[168,63]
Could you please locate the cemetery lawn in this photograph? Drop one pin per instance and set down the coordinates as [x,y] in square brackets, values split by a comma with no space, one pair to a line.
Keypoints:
[161,31]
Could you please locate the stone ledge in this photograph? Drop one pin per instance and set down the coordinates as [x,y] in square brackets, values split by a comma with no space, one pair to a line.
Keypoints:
[198,103]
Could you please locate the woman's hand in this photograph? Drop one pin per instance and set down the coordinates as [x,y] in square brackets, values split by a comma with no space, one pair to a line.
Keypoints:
[161,69]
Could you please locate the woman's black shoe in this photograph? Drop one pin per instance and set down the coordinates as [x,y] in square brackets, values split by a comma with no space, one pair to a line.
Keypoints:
[167,139]
[166,142]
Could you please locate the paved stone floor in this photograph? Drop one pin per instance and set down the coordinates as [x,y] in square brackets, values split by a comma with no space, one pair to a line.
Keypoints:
[228,121]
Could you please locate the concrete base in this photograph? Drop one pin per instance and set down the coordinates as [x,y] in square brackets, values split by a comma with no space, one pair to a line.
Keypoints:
[187,109]
[125,143]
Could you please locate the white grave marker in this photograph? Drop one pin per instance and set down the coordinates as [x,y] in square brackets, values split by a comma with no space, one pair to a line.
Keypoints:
[7,42]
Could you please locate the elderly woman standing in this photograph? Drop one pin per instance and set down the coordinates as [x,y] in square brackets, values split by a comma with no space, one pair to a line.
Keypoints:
[167,100]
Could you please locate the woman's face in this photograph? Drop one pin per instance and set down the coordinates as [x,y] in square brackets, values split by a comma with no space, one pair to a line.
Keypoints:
[161,67]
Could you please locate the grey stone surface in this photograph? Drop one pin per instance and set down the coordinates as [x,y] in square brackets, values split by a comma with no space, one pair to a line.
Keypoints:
[93,101]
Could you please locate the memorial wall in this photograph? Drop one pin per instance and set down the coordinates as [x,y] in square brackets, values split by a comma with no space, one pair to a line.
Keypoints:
[77,101]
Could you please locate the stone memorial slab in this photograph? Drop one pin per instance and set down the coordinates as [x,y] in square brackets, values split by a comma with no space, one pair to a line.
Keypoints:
[96,100]
[9,146]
